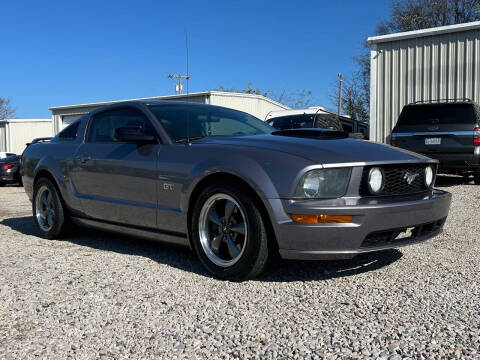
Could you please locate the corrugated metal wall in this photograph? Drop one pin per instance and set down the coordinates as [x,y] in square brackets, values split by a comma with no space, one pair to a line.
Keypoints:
[24,132]
[424,68]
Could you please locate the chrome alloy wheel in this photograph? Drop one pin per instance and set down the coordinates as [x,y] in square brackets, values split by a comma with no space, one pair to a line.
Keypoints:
[222,229]
[45,208]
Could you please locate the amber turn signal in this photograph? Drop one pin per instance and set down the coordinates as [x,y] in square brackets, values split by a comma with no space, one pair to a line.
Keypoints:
[321,219]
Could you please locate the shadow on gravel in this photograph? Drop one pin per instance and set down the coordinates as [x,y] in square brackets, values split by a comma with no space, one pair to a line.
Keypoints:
[184,259]
[293,270]
[452,180]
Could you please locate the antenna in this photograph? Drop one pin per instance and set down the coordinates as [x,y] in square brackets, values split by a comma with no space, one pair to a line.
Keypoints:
[179,77]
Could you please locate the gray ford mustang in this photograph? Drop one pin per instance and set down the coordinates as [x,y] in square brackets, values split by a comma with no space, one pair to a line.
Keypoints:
[230,187]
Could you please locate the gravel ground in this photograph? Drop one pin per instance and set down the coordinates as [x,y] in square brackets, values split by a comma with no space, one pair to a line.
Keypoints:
[98,295]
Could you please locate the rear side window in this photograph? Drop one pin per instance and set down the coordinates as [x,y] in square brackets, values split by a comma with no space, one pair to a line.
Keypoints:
[329,121]
[437,114]
[293,122]
[103,125]
[70,132]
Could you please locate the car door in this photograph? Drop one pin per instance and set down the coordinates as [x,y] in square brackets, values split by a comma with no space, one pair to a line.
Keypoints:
[117,181]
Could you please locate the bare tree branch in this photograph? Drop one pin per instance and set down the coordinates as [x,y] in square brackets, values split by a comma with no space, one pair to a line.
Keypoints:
[6,109]
[296,100]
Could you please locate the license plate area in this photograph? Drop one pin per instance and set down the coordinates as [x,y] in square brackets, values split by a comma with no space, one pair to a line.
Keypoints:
[433,141]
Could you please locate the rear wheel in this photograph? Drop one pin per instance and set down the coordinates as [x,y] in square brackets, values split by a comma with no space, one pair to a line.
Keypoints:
[228,233]
[48,211]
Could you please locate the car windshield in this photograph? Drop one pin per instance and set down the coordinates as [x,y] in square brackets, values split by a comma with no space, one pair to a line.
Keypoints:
[188,121]
[437,114]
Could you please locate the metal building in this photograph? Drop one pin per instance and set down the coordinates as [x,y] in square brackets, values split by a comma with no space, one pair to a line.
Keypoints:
[15,133]
[430,64]
[256,105]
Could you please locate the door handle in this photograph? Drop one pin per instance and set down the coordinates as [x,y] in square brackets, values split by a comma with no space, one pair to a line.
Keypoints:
[84,158]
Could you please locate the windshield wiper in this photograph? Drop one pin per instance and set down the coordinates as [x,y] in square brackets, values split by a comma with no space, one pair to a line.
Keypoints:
[187,141]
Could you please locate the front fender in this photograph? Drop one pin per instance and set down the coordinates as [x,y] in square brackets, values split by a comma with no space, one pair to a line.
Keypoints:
[245,169]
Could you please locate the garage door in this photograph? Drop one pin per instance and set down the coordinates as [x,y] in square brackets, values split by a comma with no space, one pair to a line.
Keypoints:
[68,119]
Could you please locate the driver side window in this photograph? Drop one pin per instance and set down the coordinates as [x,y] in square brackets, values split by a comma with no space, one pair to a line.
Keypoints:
[102,126]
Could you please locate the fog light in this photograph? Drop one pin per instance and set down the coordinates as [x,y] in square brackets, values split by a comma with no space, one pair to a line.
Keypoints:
[321,219]
[375,180]
[428,176]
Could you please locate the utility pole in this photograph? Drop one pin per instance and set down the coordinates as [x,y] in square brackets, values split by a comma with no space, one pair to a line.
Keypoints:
[340,77]
[179,86]
[350,103]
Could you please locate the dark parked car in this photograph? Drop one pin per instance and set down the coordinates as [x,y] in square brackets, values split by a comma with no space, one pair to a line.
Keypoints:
[229,186]
[311,118]
[10,169]
[445,130]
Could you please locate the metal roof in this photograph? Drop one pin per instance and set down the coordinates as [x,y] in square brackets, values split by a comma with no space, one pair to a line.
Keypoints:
[424,32]
[167,97]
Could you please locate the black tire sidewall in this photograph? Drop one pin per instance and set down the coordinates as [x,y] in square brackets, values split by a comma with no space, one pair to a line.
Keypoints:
[57,229]
[254,256]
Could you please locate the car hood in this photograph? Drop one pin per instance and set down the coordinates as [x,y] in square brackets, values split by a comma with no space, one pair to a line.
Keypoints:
[320,151]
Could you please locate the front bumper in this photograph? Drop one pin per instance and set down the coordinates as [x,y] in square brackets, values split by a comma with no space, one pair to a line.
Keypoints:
[374,226]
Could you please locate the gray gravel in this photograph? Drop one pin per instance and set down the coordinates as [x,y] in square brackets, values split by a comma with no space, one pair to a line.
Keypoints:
[98,295]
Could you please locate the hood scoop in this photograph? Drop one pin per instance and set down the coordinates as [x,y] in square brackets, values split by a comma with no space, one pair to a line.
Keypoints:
[321,134]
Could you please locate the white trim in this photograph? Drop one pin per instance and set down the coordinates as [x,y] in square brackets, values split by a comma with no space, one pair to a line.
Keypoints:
[424,32]
[8,138]
[373,93]
[25,120]
[101,103]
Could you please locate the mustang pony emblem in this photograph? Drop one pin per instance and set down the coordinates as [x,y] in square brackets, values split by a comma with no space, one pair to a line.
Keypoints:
[409,177]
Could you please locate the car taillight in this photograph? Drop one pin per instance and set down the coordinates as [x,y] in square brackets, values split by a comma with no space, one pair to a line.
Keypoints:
[6,166]
[393,139]
[476,136]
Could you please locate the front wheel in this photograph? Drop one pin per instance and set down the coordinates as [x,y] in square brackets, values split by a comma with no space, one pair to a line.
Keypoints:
[48,211]
[228,233]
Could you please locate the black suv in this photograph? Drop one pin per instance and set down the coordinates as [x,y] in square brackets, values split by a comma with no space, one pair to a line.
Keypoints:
[447,130]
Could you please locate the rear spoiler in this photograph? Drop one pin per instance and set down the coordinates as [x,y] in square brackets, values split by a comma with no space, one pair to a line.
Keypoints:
[39,140]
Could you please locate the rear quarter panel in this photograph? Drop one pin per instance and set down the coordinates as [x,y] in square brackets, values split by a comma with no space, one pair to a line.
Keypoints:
[54,158]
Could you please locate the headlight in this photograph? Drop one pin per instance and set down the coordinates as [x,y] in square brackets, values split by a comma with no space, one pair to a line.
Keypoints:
[324,183]
[375,180]
[428,176]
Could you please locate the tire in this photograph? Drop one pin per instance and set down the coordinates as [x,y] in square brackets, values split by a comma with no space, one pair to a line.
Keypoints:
[476,178]
[48,213]
[219,257]
[2,184]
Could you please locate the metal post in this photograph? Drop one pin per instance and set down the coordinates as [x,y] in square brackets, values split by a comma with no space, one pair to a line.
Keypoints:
[340,76]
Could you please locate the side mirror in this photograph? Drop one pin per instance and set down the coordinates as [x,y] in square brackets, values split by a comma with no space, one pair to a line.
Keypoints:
[132,134]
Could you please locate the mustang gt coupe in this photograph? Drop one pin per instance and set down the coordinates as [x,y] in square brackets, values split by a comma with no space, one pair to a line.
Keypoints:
[230,187]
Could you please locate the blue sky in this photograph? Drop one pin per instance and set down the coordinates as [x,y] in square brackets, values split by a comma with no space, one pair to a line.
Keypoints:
[70,52]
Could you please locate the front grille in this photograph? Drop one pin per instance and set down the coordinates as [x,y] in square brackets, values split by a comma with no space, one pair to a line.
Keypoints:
[396,180]
[395,236]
